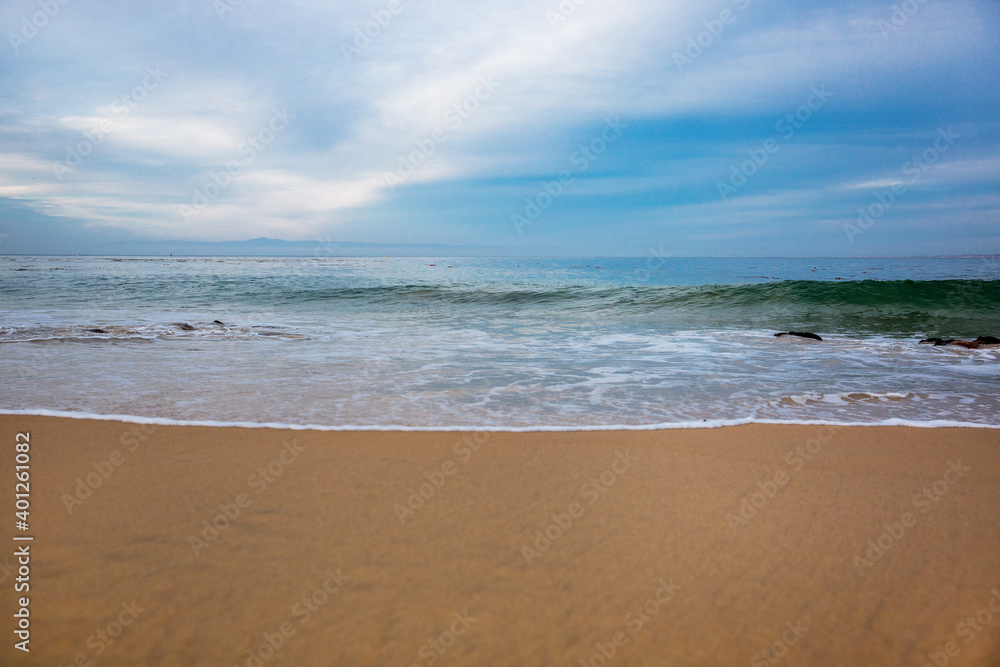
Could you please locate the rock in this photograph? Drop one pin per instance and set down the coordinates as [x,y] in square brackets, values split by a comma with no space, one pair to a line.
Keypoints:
[183,326]
[97,330]
[800,334]
[221,324]
[937,341]
[982,341]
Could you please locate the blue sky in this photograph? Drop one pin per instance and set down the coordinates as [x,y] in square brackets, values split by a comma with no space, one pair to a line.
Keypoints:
[589,127]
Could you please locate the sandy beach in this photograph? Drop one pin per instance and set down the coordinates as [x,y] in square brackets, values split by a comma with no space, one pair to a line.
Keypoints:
[753,545]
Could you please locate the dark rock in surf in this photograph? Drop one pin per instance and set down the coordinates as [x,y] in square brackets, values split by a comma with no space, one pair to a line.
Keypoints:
[982,341]
[97,330]
[183,326]
[800,334]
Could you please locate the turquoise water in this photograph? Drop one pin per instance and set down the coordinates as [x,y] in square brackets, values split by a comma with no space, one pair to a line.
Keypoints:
[516,343]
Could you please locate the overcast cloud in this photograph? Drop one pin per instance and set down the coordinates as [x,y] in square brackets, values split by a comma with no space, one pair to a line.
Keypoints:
[584,127]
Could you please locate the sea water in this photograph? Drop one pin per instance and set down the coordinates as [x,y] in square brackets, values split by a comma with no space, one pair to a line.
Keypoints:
[499,342]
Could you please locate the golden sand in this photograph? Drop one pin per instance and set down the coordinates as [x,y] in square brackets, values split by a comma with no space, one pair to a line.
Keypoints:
[749,545]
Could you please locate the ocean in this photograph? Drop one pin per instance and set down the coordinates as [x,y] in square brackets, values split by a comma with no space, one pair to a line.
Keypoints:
[501,343]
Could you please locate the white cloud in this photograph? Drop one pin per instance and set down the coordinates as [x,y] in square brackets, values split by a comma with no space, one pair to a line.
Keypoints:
[355,118]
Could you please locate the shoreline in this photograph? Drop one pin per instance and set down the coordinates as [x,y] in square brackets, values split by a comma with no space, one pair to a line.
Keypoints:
[395,428]
[223,545]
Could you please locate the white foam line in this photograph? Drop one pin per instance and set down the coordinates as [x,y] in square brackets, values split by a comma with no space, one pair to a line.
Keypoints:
[705,423]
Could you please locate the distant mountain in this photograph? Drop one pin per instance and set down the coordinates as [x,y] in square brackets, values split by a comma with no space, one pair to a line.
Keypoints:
[278,247]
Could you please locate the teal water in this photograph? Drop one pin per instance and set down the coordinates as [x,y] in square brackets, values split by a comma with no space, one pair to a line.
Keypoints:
[499,342]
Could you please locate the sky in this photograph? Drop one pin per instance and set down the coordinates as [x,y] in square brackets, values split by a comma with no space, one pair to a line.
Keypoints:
[572,127]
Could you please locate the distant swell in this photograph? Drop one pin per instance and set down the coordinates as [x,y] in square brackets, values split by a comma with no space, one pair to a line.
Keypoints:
[948,307]
[944,308]
[937,295]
